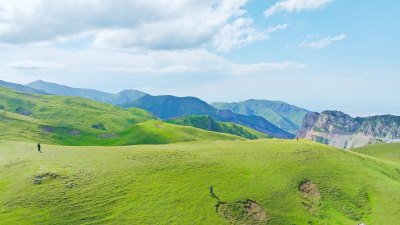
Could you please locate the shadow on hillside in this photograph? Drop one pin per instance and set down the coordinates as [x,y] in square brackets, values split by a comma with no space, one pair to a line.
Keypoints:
[213,195]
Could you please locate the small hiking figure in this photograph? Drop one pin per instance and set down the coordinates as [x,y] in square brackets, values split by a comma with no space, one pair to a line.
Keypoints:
[38,147]
[297,138]
[211,190]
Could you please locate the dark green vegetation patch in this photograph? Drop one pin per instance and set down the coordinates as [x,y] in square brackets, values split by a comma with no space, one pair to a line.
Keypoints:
[321,140]
[23,111]
[99,126]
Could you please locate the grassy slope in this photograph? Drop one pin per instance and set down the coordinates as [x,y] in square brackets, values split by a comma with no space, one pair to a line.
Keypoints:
[168,184]
[389,152]
[157,132]
[54,117]
[72,111]
[16,127]
[206,123]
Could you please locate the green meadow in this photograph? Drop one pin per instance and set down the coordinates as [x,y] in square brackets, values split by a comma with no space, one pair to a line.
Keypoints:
[389,152]
[290,182]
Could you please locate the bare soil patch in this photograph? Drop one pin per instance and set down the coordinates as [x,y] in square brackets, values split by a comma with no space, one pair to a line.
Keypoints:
[310,190]
[246,212]
[255,210]
[42,177]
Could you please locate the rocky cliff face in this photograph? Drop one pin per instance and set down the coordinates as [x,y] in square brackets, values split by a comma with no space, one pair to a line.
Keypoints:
[307,124]
[341,130]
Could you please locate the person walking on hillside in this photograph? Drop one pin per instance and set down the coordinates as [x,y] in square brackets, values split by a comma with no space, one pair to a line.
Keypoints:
[211,190]
[38,147]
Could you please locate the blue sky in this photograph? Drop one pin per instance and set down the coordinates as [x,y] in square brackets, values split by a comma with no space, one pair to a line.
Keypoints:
[317,54]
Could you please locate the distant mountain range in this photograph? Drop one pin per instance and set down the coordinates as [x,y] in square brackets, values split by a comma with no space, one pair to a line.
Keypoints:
[341,130]
[168,106]
[114,99]
[23,88]
[244,119]
[285,116]
[274,118]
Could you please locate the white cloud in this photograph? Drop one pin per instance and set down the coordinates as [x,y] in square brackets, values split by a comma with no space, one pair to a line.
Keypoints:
[259,68]
[295,5]
[130,24]
[192,61]
[34,65]
[322,42]
[142,70]
[188,62]
[240,33]
[277,27]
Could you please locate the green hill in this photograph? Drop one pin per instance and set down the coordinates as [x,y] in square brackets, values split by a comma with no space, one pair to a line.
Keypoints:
[207,123]
[266,181]
[114,99]
[80,121]
[285,116]
[157,132]
[389,152]
[167,106]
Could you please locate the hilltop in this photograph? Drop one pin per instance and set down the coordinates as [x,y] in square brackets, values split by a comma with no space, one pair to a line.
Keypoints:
[266,181]
[341,130]
[20,87]
[285,116]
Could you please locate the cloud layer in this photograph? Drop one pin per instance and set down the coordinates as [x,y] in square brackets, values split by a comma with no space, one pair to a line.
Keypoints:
[34,65]
[129,24]
[295,5]
[321,43]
